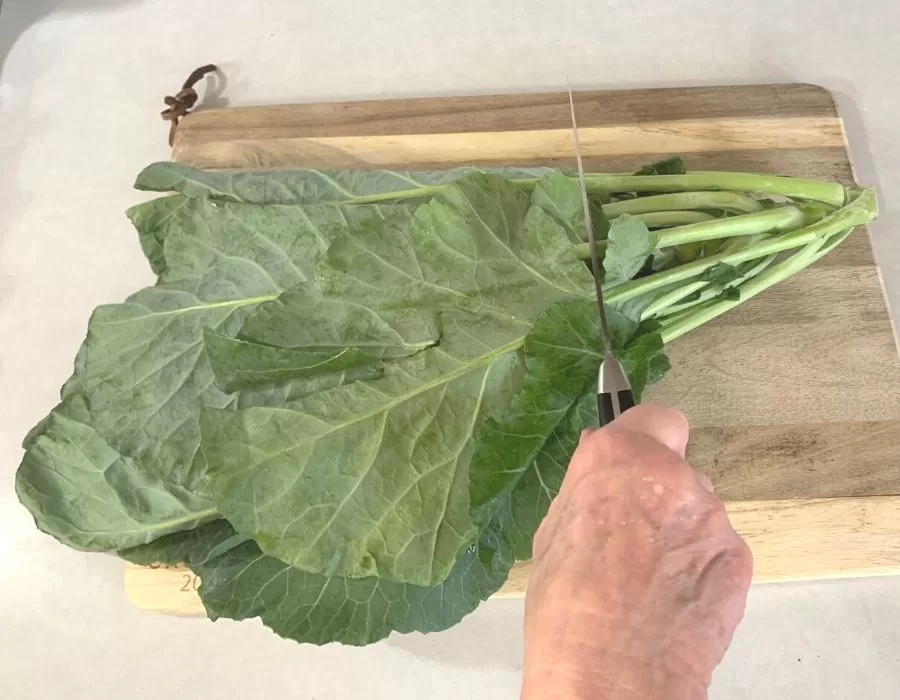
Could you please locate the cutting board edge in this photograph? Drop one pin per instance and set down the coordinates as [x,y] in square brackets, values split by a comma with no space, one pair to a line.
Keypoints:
[831,548]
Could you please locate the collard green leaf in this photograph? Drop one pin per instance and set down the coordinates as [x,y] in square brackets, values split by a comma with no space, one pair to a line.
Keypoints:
[192,547]
[668,166]
[154,220]
[629,245]
[87,495]
[562,355]
[365,479]
[721,273]
[527,503]
[240,582]
[560,197]
[484,263]
[479,246]
[241,365]
[142,373]
[318,609]
[644,360]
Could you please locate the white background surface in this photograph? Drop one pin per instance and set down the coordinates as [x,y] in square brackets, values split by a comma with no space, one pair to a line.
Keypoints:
[80,92]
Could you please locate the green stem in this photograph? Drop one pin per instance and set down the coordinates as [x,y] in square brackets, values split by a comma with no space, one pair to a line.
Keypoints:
[777,273]
[713,291]
[730,201]
[858,212]
[795,188]
[767,221]
[670,298]
[401,195]
[664,219]
[684,322]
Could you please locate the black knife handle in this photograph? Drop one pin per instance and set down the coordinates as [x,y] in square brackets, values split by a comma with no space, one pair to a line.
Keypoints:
[605,409]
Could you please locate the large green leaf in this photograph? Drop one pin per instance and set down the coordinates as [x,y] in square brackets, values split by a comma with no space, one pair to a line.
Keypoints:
[87,495]
[525,505]
[240,582]
[191,547]
[142,373]
[155,220]
[563,353]
[241,365]
[365,479]
[390,457]
[630,244]
[560,196]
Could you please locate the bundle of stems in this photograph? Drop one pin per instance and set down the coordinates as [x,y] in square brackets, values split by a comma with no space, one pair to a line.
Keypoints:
[768,227]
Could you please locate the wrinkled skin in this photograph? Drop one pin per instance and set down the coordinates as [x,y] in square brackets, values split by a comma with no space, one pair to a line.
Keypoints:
[639,580]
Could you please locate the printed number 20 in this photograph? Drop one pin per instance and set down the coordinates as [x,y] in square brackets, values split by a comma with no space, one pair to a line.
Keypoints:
[191,583]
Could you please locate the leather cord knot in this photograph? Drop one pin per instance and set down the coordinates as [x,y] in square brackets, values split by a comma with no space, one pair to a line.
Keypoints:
[183,101]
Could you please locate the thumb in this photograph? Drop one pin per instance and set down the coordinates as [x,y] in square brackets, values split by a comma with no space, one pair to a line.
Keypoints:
[665,424]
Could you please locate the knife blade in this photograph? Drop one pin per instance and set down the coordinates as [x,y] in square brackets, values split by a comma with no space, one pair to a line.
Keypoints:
[614,394]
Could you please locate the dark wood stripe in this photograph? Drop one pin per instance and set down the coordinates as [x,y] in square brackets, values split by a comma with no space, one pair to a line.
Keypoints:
[839,369]
[548,110]
[814,163]
[798,461]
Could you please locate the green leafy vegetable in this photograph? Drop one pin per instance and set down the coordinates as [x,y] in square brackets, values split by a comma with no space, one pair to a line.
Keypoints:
[669,166]
[720,273]
[350,398]
[393,434]
[630,244]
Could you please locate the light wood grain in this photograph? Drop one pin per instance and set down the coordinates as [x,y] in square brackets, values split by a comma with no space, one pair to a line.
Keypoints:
[795,395]
[790,539]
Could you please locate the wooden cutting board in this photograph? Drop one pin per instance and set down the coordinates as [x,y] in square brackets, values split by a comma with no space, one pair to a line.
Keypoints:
[793,398]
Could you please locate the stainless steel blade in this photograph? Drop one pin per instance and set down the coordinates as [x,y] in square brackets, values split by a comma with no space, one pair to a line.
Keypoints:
[592,242]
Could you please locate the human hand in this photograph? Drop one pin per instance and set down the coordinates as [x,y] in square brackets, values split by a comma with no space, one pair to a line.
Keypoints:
[638,578]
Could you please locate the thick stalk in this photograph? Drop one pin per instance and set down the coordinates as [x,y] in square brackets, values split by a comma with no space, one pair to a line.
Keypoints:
[634,288]
[860,211]
[795,188]
[665,219]
[730,201]
[768,221]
